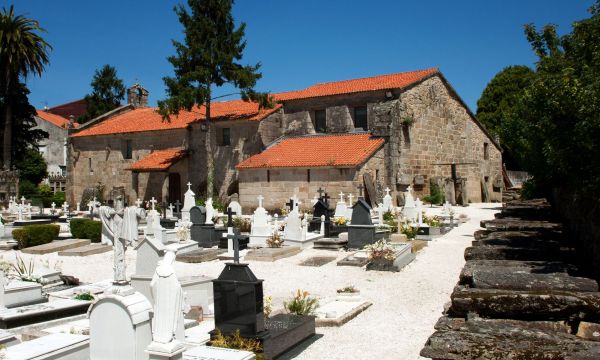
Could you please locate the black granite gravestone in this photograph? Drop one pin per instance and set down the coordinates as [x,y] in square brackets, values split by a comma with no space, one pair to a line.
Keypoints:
[204,234]
[321,208]
[361,230]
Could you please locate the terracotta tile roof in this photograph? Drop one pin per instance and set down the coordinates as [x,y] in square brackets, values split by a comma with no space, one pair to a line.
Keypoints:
[75,108]
[158,160]
[148,119]
[382,82]
[54,119]
[345,150]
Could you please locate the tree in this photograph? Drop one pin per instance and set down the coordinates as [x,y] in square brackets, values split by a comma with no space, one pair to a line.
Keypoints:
[22,52]
[207,58]
[497,105]
[32,167]
[107,92]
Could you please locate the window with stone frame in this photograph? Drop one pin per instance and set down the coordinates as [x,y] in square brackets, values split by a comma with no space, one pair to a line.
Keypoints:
[128,149]
[486,151]
[360,118]
[320,121]
[224,137]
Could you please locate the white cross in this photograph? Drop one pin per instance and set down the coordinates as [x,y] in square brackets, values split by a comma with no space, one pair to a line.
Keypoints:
[409,189]
[171,207]
[350,196]
[341,196]
[189,185]
[153,202]
[260,200]
[65,207]
[22,200]
[139,202]
[387,190]
[53,205]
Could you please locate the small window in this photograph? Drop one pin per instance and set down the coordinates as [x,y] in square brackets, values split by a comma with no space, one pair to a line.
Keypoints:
[486,151]
[268,176]
[320,121]
[128,149]
[90,165]
[308,175]
[225,137]
[360,118]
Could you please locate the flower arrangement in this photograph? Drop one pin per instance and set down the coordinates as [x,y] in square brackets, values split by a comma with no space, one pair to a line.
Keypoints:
[241,223]
[301,304]
[275,240]
[284,211]
[408,230]
[340,221]
[236,341]
[432,221]
[85,296]
[380,250]
[183,232]
[268,306]
[347,290]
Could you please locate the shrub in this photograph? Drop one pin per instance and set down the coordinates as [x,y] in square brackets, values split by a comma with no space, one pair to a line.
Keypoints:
[218,204]
[409,231]
[241,223]
[301,304]
[33,235]
[85,296]
[236,341]
[58,198]
[86,229]
[435,195]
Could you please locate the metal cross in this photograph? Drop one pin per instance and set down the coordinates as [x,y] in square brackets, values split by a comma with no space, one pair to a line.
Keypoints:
[290,204]
[236,247]
[326,198]
[320,191]
[360,190]
[230,214]
[177,205]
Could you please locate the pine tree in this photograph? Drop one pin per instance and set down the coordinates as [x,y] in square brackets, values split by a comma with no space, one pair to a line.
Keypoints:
[107,92]
[207,58]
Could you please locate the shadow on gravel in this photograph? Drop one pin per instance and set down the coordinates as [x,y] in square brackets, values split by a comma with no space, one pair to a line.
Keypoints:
[298,349]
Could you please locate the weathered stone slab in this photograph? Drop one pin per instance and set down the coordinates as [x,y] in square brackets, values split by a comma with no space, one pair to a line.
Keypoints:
[501,341]
[519,225]
[200,255]
[498,278]
[317,261]
[330,244]
[525,305]
[487,252]
[589,331]
[358,259]
[272,254]
[479,324]
[55,246]
[502,266]
[337,313]
[517,239]
[91,249]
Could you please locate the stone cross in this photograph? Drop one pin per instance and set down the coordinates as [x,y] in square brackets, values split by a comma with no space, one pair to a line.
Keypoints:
[53,206]
[360,190]
[78,207]
[350,196]
[260,200]
[409,189]
[65,207]
[230,214]
[236,247]
[178,205]
[171,208]
[387,190]
[320,191]
[139,202]
[189,185]
[341,196]
[291,204]
[153,201]
[22,200]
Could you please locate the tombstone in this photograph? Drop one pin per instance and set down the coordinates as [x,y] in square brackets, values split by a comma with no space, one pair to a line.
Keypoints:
[260,229]
[189,201]
[293,227]
[449,191]
[169,307]
[235,207]
[361,230]
[204,234]
[379,210]
[341,209]
[387,201]
[409,211]
[419,208]
[321,211]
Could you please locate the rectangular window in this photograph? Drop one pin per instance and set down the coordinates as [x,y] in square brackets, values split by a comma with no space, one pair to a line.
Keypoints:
[268,176]
[320,121]
[360,117]
[90,165]
[225,137]
[486,152]
[128,149]
[308,175]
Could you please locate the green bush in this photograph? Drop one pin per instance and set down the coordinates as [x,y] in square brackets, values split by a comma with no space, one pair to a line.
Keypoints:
[33,235]
[58,198]
[218,204]
[435,197]
[86,229]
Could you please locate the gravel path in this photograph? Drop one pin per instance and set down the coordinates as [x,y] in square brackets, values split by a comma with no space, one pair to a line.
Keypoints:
[406,304]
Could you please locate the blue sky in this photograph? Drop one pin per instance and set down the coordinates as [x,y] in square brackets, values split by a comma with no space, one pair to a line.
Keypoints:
[299,43]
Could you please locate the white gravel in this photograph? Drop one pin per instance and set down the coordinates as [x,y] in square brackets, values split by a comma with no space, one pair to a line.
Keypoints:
[406,304]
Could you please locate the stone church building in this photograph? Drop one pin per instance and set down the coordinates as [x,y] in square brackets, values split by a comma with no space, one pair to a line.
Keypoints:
[385,131]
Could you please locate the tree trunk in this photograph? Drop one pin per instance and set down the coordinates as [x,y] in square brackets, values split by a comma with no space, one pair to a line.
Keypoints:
[210,161]
[7,146]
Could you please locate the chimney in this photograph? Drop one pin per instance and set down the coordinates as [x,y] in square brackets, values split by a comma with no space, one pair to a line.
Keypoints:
[137,96]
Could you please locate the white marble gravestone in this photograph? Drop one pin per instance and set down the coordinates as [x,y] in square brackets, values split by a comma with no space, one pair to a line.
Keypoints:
[387,201]
[341,209]
[293,226]
[120,327]
[235,207]
[189,201]
[261,229]
[409,211]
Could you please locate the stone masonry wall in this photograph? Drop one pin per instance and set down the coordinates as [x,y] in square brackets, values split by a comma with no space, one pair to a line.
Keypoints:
[280,184]
[108,166]
[54,145]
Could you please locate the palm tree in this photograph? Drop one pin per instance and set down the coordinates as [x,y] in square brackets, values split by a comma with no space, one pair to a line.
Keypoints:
[22,52]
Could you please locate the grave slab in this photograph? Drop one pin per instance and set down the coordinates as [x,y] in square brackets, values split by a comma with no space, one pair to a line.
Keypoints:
[337,313]
[285,332]
[54,246]
[330,244]
[21,293]
[7,338]
[215,353]
[55,346]
[317,261]
[404,256]
[199,335]
[358,259]
[86,250]
[272,254]
[200,255]
[31,314]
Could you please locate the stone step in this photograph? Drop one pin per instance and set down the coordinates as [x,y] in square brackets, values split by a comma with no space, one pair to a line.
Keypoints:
[525,305]
[502,266]
[530,239]
[54,246]
[489,252]
[200,255]
[272,254]
[330,243]
[519,225]
[86,250]
[509,279]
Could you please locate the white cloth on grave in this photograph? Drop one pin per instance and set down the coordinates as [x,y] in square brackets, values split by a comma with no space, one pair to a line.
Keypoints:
[111,224]
[168,302]
[129,227]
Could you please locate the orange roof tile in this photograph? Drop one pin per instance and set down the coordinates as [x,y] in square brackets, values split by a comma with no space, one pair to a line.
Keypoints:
[158,160]
[54,119]
[148,119]
[345,150]
[383,82]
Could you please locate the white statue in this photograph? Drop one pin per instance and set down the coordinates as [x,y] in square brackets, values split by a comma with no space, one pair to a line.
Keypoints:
[169,305]
[127,235]
[210,211]
[111,224]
